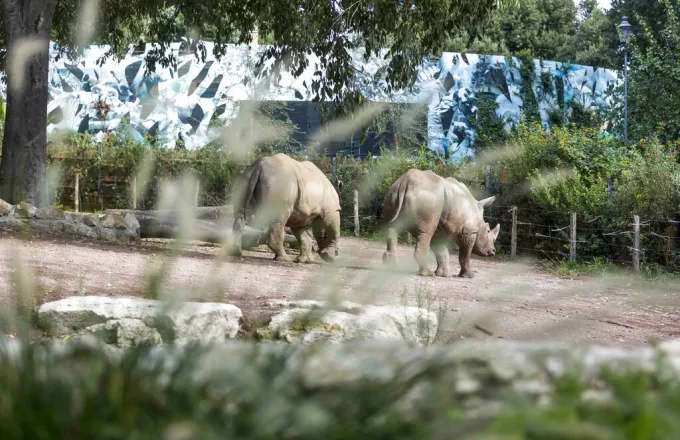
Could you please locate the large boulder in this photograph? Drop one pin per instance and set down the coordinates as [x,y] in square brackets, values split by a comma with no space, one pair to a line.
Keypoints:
[126,332]
[50,213]
[127,321]
[310,321]
[25,210]
[115,221]
[92,220]
[5,208]
[131,222]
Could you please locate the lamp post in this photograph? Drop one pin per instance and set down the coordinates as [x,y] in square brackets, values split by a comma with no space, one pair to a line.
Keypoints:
[626,31]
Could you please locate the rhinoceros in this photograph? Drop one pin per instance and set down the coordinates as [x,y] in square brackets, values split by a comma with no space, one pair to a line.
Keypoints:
[281,192]
[435,210]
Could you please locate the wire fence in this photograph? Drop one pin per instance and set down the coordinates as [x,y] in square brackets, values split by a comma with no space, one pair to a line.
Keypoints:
[611,238]
[530,231]
[624,241]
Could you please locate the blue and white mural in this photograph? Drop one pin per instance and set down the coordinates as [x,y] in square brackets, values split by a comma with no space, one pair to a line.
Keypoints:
[173,104]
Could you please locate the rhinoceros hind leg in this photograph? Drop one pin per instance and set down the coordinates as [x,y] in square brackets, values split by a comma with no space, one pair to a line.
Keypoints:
[389,257]
[275,242]
[422,252]
[441,252]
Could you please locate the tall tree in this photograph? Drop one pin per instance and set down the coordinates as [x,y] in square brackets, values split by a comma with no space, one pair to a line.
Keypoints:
[537,28]
[654,76]
[590,45]
[327,28]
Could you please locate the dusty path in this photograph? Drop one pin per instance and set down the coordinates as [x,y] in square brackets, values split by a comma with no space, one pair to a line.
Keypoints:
[508,300]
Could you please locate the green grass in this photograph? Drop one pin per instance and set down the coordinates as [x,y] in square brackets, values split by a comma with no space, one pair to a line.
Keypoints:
[596,266]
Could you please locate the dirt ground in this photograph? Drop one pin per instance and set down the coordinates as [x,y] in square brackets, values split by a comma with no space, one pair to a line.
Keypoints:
[511,300]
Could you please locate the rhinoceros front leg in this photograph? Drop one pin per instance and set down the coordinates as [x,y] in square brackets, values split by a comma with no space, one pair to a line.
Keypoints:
[465,243]
[326,231]
[305,240]
[422,252]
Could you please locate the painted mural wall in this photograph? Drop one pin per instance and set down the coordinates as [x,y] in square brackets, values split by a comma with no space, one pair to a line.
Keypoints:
[180,103]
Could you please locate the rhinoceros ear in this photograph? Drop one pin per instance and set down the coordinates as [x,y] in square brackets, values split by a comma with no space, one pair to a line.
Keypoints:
[486,202]
[495,231]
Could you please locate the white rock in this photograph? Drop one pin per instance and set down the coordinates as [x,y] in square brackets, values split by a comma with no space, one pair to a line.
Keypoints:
[5,208]
[206,322]
[50,213]
[131,221]
[114,221]
[25,210]
[126,332]
[307,322]
[186,322]
[92,220]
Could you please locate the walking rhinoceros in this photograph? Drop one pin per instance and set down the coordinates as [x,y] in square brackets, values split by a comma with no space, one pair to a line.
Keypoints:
[282,192]
[435,210]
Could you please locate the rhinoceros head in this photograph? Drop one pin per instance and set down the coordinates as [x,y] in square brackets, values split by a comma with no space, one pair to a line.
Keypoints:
[486,237]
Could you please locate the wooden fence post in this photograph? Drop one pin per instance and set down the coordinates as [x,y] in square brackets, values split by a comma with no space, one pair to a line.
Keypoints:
[572,241]
[636,243]
[357,225]
[76,193]
[487,172]
[513,237]
[198,188]
[134,192]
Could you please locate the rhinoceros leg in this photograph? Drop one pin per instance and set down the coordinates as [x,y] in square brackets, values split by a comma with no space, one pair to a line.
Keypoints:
[330,224]
[389,258]
[305,239]
[234,249]
[465,244]
[441,252]
[275,241]
[422,252]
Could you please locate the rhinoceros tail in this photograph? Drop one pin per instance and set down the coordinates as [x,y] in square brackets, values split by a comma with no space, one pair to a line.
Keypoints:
[401,193]
[247,194]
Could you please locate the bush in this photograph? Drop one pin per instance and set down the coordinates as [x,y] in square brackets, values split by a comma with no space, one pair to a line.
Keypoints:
[649,185]
[118,156]
[568,168]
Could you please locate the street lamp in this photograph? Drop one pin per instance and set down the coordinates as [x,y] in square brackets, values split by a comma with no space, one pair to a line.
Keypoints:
[626,31]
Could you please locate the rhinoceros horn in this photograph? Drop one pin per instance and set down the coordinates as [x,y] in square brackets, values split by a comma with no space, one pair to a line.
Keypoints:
[486,202]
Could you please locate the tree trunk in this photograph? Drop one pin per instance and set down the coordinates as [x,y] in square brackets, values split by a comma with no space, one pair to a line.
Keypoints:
[224,212]
[24,149]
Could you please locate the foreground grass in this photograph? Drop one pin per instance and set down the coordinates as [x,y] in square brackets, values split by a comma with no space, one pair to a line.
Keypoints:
[190,394]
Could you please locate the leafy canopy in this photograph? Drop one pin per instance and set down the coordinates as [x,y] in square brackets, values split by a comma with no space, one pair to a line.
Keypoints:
[328,29]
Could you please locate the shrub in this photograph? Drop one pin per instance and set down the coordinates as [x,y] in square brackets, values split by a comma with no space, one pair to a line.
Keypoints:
[568,169]
[649,185]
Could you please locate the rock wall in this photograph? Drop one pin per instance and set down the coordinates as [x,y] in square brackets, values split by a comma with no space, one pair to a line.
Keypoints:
[183,102]
[373,389]
[129,321]
[55,222]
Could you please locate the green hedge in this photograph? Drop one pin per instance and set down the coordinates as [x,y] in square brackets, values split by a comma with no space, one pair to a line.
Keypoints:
[546,174]
[118,158]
